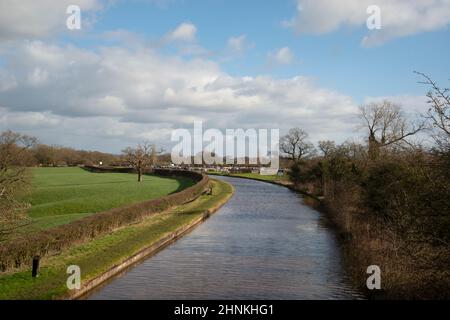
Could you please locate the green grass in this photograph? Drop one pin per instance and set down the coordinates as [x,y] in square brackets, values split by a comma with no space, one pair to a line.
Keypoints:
[99,255]
[62,195]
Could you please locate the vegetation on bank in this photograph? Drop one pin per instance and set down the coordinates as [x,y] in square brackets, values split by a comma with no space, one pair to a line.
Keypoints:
[17,252]
[389,197]
[392,212]
[103,252]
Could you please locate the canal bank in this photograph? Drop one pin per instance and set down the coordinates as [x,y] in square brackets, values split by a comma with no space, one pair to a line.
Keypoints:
[100,256]
[284,182]
[264,243]
[222,191]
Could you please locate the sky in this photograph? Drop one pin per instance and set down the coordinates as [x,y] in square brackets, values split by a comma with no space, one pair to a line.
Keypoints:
[138,69]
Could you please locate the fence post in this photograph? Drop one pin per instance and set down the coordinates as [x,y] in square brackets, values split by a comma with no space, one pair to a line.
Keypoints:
[35,270]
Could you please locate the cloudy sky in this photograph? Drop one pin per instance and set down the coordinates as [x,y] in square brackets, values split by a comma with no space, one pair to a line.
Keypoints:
[139,69]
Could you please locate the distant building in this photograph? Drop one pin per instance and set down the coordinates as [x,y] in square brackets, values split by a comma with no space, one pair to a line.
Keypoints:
[268,171]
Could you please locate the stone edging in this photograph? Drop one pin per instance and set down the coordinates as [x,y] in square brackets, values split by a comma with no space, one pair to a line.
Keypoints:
[147,252]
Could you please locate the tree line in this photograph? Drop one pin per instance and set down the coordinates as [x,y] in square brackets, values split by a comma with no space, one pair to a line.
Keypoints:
[19,152]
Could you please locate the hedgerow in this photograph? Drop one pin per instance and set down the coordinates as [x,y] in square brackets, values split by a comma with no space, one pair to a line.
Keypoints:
[20,251]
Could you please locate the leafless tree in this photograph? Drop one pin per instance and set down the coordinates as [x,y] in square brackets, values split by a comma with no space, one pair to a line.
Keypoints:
[386,125]
[295,145]
[327,147]
[14,158]
[140,157]
[438,114]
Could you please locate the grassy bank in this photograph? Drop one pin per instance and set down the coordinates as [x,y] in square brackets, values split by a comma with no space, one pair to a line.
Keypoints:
[310,198]
[99,255]
[62,195]
[255,176]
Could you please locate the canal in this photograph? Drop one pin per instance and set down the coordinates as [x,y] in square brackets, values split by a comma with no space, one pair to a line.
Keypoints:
[263,244]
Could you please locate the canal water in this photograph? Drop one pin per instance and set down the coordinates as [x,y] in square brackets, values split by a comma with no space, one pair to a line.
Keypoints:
[263,244]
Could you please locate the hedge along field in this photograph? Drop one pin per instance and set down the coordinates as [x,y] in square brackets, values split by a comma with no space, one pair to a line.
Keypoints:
[62,195]
[18,252]
[99,255]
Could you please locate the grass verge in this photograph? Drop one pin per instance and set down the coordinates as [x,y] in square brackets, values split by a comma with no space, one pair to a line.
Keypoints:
[98,256]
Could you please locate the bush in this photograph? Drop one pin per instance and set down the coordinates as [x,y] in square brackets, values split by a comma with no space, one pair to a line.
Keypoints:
[393,211]
[411,195]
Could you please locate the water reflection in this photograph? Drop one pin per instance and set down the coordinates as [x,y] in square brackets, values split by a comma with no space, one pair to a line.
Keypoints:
[263,244]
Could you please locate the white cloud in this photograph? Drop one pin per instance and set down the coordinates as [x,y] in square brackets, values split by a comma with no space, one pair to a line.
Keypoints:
[30,19]
[121,95]
[281,56]
[91,133]
[28,120]
[109,97]
[184,39]
[237,45]
[184,32]
[399,18]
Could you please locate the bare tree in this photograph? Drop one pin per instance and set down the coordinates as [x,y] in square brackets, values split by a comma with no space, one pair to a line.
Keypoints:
[140,157]
[386,125]
[14,158]
[327,147]
[295,145]
[438,114]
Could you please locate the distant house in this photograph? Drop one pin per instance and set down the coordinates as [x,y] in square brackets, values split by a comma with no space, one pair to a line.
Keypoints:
[240,170]
[268,171]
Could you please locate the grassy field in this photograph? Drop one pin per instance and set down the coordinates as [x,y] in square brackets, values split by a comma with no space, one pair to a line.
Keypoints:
[61,195]
[99,255]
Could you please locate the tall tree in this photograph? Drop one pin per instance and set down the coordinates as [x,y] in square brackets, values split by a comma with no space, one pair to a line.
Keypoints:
[14,159]
[386,125]
[140,157]
[327,147]
[296,145]
[438,114]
